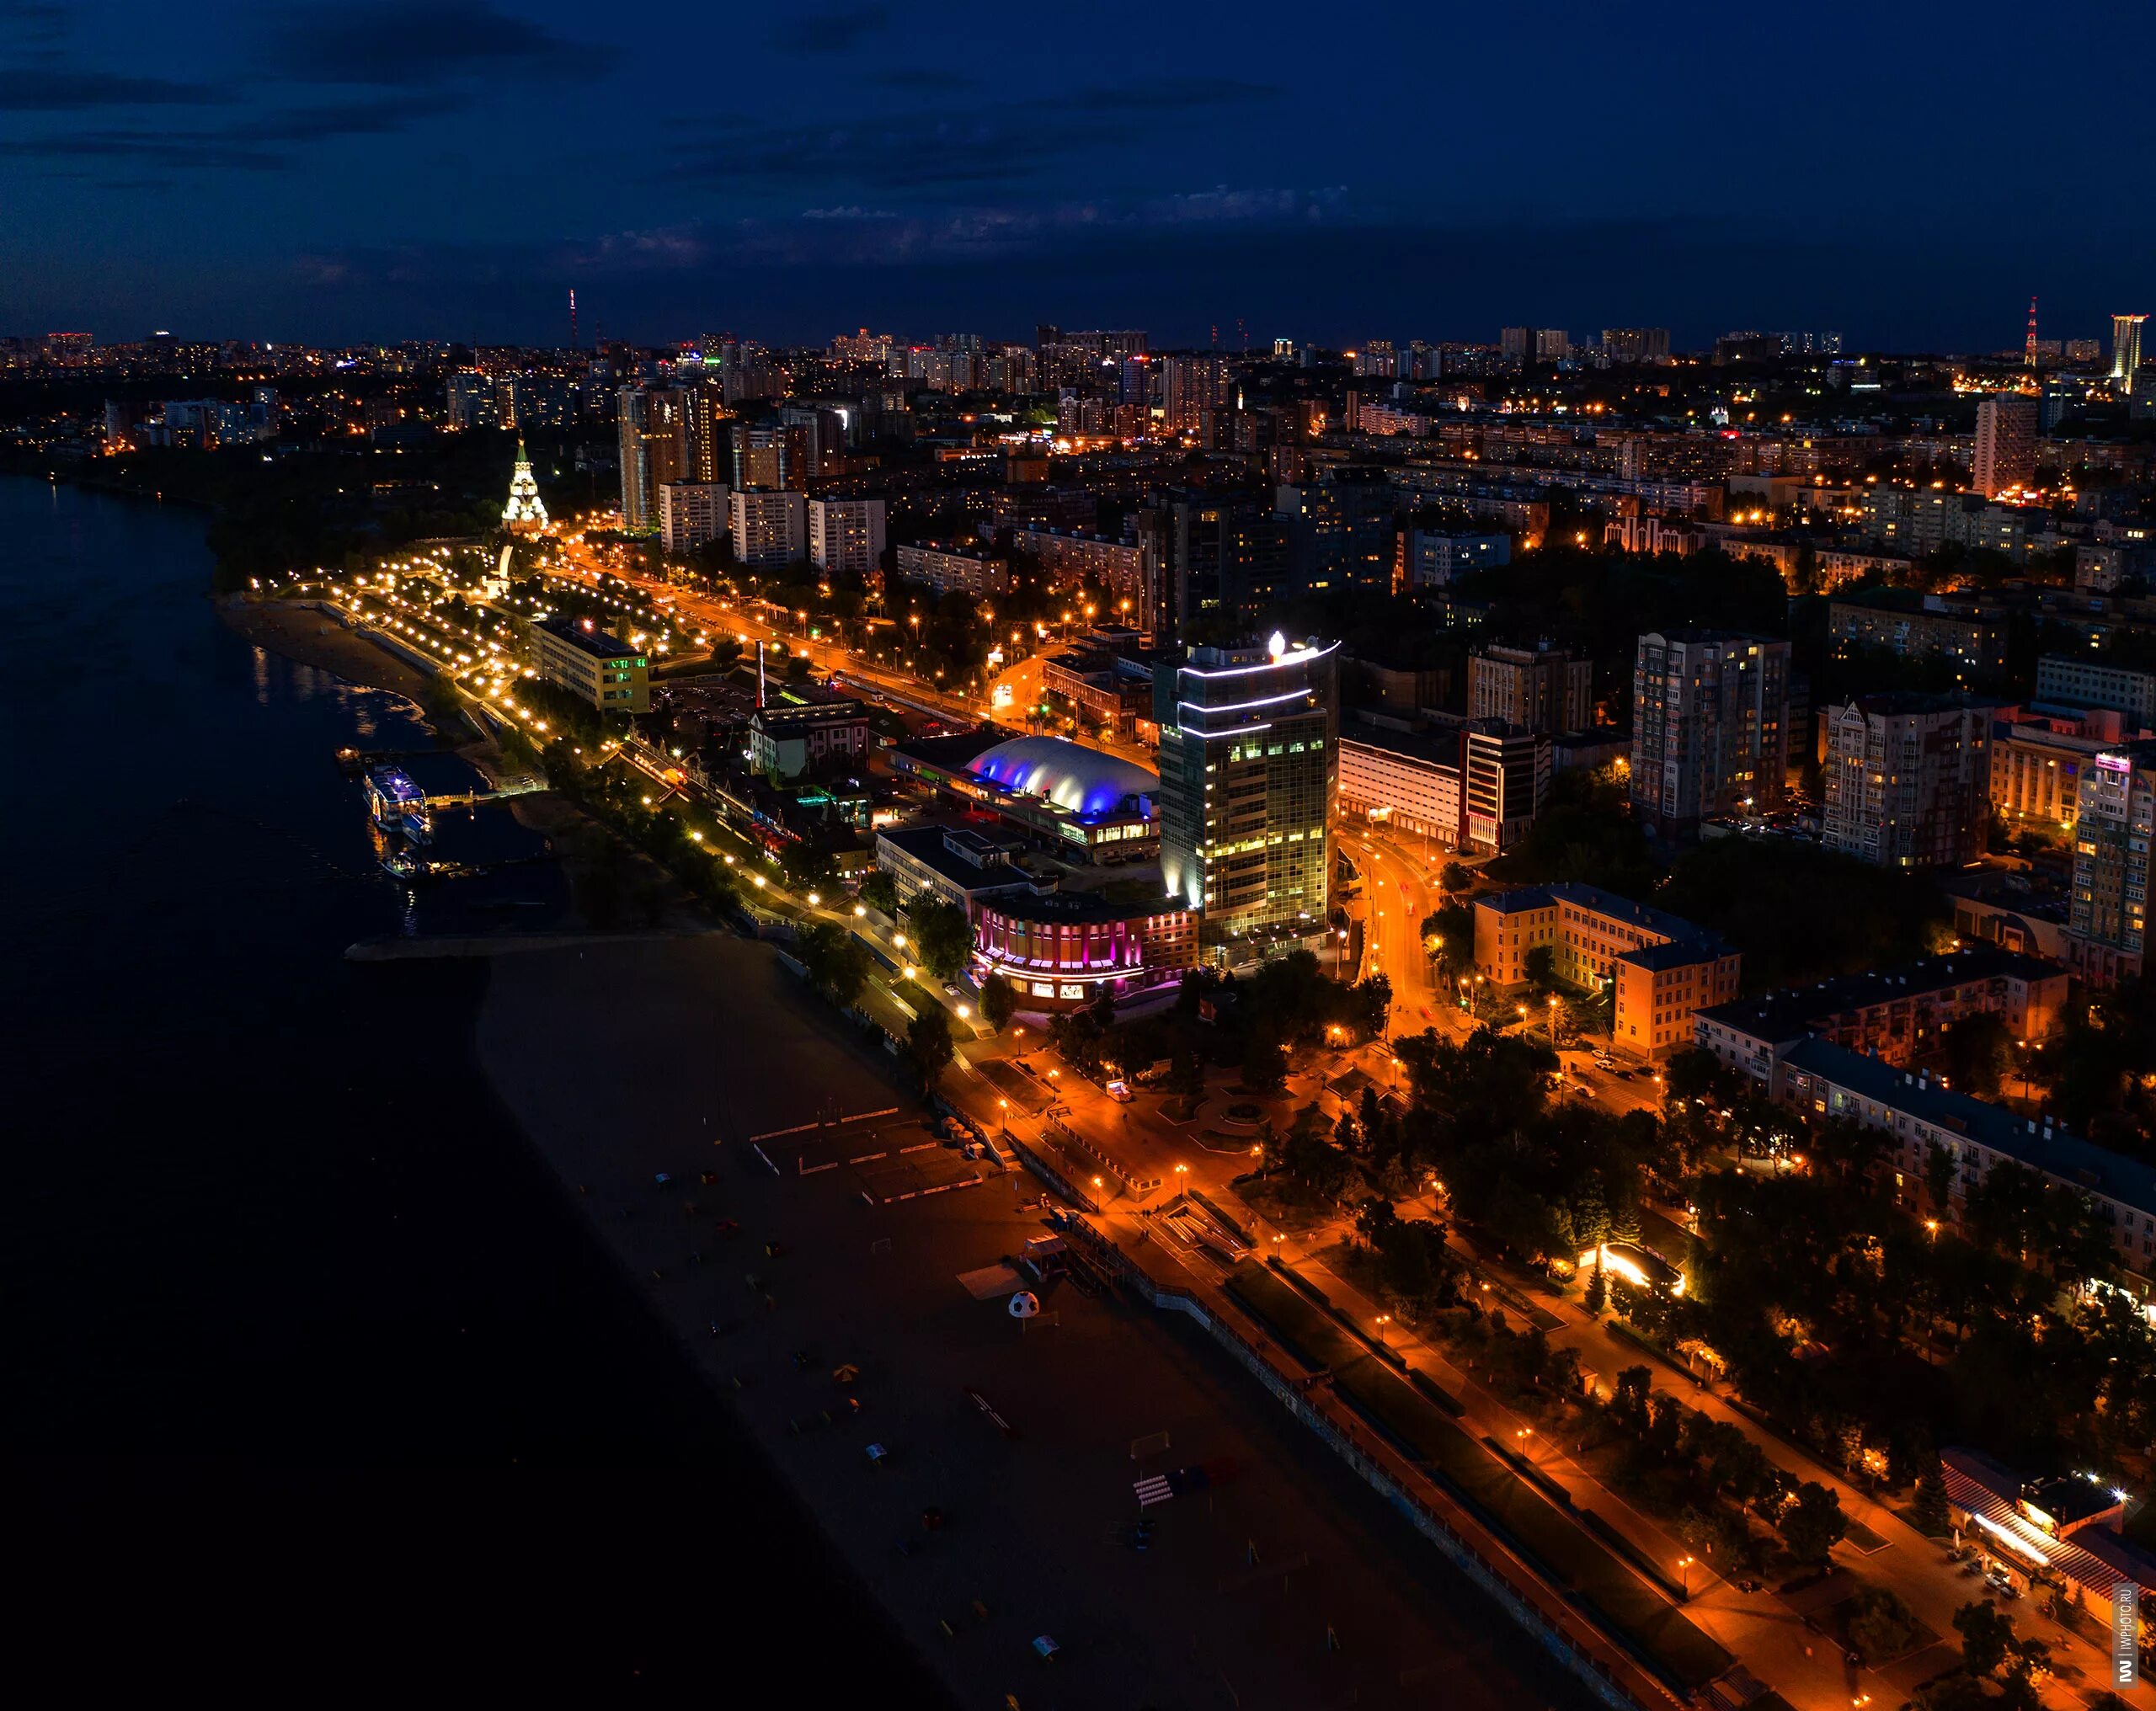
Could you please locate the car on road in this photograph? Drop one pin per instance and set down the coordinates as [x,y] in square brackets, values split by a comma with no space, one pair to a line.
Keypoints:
[953,989]
[1119,1091]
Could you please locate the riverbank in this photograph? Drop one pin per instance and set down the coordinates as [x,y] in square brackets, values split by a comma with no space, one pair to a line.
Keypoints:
[1285,1582]
[306,632]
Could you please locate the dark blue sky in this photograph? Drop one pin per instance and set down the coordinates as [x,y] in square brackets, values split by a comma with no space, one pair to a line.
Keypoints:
[448,169]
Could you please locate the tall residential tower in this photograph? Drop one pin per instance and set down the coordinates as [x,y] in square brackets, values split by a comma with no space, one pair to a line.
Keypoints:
[1710,726]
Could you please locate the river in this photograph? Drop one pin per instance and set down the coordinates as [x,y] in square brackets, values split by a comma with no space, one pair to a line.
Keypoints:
[315,1383]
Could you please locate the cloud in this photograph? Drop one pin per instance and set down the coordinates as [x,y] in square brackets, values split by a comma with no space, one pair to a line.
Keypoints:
[154,147]
[979,146]
[373,118]
[33,23]
[922,77]
[52,90]
[1171,95]
[423,44]
[836,32]
[252,142]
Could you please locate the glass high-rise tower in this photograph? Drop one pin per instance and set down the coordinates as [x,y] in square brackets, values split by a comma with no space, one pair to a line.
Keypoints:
[1249,766]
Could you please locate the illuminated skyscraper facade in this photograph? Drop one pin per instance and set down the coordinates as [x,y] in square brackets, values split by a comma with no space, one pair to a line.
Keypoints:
[2126,349]
[1248,770]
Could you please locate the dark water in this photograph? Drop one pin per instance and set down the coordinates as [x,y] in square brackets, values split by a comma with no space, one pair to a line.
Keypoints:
[314,1384]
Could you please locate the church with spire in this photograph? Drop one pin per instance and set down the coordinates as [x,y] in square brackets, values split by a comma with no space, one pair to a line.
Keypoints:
[524,516]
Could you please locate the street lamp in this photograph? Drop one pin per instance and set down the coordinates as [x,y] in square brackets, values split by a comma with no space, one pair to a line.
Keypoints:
[1384,1320]
[1183,1187]
[1685,1577]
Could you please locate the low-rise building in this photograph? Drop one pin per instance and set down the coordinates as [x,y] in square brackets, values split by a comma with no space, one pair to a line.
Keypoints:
[788,737]
[1662,967]
[1895,1014]
[1062,949]
[2064,1531]
[591,665]
[956,864]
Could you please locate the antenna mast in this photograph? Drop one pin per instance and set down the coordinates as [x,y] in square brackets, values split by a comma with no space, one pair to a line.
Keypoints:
[2030,353]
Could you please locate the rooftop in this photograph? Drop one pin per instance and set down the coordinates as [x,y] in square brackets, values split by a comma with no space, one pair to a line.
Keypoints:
[1797,1011]
[1671,929]
[969,861]
[1085,906]
[2094,1557]
[596,643]
[1082,779]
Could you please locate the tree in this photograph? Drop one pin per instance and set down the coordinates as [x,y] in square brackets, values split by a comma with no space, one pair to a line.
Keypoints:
[879,891]
[1265,1064]
[1938,1175]
[1979,1051]
[1541,968]
[1987,1635]
[1813,1523]
[835,960]
[1456,877]
[1449,935]
[940,932]
[929,1045]
[1880,1626]
[998,1002]
[1598,1289]
[1930,1513]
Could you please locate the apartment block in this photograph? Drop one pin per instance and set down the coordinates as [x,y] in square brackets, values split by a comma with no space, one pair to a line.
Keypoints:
[1543,688]
[2067,680]
[1909,779]
[770,526]
[945,568]
[1710,726]
[692,514]
[1662,967]
[1895,1015]
[845,536]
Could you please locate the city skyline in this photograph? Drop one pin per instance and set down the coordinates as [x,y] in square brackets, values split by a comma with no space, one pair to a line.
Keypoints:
[386,170]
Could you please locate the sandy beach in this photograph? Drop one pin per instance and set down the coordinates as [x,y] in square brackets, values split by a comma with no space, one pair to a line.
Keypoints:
[1285,1582]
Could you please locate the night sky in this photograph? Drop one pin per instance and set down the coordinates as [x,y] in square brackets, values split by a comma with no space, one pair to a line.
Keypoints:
[447,168]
